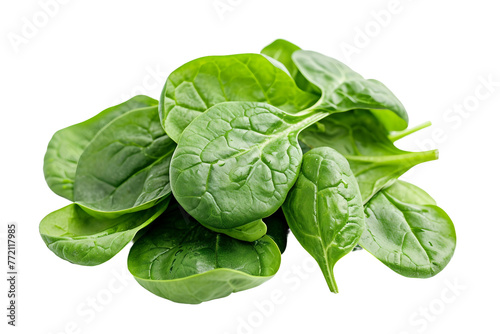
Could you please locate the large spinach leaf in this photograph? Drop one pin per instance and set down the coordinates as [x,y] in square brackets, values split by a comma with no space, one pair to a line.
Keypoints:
[408,232]
[180,260]
[126,166]
[200,84]
[77,237]
[364,141]
[324,209]
[67,145]
[235,163]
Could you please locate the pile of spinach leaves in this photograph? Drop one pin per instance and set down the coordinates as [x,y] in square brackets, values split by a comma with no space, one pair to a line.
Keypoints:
[239,149]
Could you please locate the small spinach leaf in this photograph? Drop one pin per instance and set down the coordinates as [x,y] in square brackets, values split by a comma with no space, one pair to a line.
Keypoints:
[282,51]
[324,209]
[77,237]
[364,141]
[408,232]
[236,163]
[180,260]
[125,167]
[202,83]
[343,89]
[67,145]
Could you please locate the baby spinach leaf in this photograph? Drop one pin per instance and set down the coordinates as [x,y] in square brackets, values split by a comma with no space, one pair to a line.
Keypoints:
[324,209]
[343,89]
[180,260]
[364,141]
[125,167]
[67,145]
[235,163]
[408,232]
[282,51]
[77,237]
[200,84]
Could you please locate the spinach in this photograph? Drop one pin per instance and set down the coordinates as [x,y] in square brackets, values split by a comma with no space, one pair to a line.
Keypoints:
[135,176]
[285,137]
[364,141]
[235,164]
[324,209]
[180,260]
[282,51]
[202,83]
[67,145]
[408,232]
[232,153]
[77,237]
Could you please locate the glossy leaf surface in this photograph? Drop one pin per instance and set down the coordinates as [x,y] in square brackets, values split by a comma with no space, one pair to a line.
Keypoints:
[67,145]
[77,237]
[236,163]
[408,232]
[202,83]
[180,260]
[126,166]
[324,209]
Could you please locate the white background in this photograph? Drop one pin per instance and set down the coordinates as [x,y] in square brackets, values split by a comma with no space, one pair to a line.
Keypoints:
[89,55]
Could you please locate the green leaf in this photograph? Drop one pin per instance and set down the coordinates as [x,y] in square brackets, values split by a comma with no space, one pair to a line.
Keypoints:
[324,209]
[343,89]
[236,163]
[282,51]
[408,232]
[126,166]
[67,145]
[180,260]
[77,237]
[364,141]
[202,83]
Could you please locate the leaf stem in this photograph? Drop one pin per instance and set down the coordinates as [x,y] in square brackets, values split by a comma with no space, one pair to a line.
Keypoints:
[396,135]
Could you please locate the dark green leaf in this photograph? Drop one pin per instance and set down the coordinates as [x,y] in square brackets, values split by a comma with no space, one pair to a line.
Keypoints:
[324,209]
[67,145]
[200,84]
[180,260]
[126,166]
[363,140]
[236,163]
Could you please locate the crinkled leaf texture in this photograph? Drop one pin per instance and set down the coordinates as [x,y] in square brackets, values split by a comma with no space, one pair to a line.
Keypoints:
[235,164]
[77,237]
[202,83]
[180,260]
[324,209]
[364,141]
[408,232]
[126,166]
[67,145]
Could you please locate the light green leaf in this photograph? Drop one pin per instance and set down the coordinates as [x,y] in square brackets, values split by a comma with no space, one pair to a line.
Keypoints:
[80,238]
[412,238]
